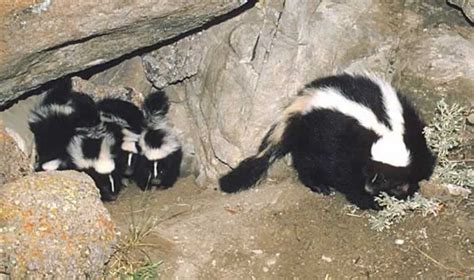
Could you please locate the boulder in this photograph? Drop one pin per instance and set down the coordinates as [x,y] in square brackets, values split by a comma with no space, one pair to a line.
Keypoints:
[130,73]
[467,7]
[48,39]
[14,163]
[237,76]
[435,56]
[53,225]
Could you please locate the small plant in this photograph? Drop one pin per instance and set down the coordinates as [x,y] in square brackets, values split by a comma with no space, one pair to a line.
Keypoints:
[445,135]
[130,260]
[395,210]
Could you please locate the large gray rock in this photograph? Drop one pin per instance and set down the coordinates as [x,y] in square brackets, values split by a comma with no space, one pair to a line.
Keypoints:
[237,76]
[242,72]
[467,7]
[45,41]
[129,73]
[435,56]
[53,225]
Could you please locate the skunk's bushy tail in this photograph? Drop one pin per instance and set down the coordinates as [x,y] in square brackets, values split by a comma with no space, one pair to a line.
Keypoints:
[250,170]
[156,104]
[276,143]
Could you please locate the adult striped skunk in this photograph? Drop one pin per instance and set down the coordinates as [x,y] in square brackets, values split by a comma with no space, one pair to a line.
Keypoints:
[353,133]
[126,121]
[54,123]
[161,154]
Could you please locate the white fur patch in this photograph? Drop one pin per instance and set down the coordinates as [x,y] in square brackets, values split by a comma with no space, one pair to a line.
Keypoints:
[390,148]
[104,164]
[170,144]
[129,147]
[333,99]
[130,141]
[43,112]
[51,165]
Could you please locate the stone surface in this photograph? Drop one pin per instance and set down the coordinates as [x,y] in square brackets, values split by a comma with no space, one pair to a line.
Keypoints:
[435,57]
[467,7]
[44,40]
[98,92]
[129,74]
[15,120]
[237,76]
[174,63]
[14,163]
[251,65]
[54,226]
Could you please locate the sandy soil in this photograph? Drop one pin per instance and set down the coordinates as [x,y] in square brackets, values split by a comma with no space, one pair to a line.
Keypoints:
[284,231]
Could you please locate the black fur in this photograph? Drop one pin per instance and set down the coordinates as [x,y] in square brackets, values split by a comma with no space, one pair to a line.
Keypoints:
[123,116]
[54,129]
[91,145]
[167,171]
[157,172]
[332,150]
[124,110]
[156,103]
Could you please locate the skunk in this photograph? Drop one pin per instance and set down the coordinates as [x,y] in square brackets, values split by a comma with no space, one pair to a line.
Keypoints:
[128,121]
[160,151]
[350,132]
[94,151]
[54,121]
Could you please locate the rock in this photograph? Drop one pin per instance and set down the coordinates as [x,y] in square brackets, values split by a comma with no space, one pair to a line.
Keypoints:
[238,75]
[173,63]
[54,225]
[467,7]
[443,191]
[470,119]
[14,163]
[129,74]
[15,120]
[435,57]
[98,92]
[50,39]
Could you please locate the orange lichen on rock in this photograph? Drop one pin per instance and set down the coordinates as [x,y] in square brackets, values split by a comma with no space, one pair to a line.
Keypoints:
[54,224]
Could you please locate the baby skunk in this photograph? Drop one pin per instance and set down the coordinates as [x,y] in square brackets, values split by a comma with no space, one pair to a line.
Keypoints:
[353,133]
[160,160]
[94,151]
[126,121]
[54,121]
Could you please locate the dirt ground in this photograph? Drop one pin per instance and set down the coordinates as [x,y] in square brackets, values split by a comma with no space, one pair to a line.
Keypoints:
[284,231]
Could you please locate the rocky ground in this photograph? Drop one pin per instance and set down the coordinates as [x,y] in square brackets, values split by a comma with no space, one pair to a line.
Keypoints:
[281,230]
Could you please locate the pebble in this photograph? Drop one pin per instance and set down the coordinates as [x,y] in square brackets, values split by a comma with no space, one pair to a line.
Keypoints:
[470,119]
[399,241]
[326,259]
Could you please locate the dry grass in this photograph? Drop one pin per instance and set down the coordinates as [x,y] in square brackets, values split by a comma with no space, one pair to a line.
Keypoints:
[130,259]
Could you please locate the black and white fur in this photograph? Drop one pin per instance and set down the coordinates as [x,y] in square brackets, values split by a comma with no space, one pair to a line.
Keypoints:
[128,120]
[94,151]
[70,135]
[353,133]
[160,150]
[54,123]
